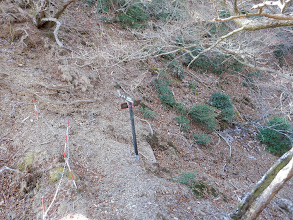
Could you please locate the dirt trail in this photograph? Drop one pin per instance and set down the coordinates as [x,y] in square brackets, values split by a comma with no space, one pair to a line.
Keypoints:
[112,183]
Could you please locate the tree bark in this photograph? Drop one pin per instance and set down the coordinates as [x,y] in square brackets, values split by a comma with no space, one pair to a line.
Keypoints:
[270,184]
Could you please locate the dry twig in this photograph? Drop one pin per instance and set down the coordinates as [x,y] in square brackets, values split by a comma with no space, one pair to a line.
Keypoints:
[230,147]
[58,24]
[8,168]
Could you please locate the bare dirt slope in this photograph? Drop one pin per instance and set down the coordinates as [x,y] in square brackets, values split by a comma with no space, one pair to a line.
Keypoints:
[112,183]
[42,86]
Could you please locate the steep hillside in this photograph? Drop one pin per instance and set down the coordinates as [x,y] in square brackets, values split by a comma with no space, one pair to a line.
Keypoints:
[57,100]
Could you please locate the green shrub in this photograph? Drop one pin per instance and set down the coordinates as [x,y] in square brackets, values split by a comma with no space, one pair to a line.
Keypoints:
[202,139]
[227,114]
[192,85]
[220,100]
[89,2]
[169,56]
[236,66]
[165,10]
[199,188]
[224,14]
[223,102]
[183,122]
[277,135]
[165,93]
[280,51]
[176,70]
[133,16]
[147,112]
[202,62]
[218,64]
[181,109]
[186,178]
[104,6]
[215,63]
[205,115]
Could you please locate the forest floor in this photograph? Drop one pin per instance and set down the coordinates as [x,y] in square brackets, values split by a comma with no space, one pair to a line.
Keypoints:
[43,87]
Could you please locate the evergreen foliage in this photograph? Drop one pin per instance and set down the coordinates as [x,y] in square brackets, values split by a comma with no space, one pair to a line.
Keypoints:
[133,15]
[147,112]
[223,102]
[184,123]
[181,109]
[165,93]
[277,135]
[176,69]
[205,115]
[202,139]
[186,178]
[220,100]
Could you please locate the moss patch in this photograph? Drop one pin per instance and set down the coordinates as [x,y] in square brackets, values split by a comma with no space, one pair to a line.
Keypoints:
[56,174]
[27,162]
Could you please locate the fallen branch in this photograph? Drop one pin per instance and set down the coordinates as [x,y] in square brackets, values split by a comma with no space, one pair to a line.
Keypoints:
[56,29]
[216,43]
[244,61]
[275,16]
[7,168]
[152,132]
[55,195]
[230,147]
[281,4]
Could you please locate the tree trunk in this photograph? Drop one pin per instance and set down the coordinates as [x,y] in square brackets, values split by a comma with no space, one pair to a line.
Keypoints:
[253,203]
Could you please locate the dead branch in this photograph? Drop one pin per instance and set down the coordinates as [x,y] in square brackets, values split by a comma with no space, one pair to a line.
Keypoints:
[281,4]
[152,132]
[274,16]
[23,37]
[216,43]
[7,168]
[230,147]
[55,195]
[241,59]
[56,29]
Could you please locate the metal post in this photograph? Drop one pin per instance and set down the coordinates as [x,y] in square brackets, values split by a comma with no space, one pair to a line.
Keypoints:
[133,129]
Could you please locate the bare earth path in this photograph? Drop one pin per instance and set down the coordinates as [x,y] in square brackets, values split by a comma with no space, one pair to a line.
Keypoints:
[112,183]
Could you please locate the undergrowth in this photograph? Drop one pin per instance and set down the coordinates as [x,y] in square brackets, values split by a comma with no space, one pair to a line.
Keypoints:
[165,93]
[224,103]
[205,115]
[133,16]
[183,122]
[136,13]
[199,188]
[277,135]
[202,139]
[146,111]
